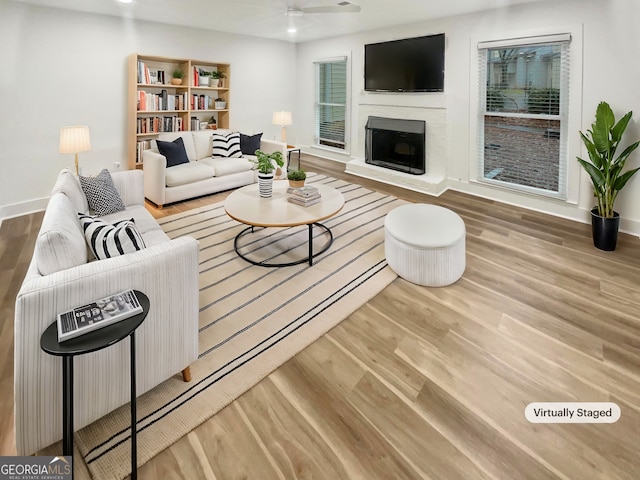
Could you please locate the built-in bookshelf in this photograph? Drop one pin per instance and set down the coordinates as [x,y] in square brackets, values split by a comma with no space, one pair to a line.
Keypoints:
[156,104]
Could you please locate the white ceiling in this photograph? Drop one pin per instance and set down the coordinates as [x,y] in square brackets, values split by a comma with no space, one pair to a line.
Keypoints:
[266,18]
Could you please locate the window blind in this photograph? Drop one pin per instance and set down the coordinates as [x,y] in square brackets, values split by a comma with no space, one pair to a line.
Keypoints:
[331,103]
[523,110]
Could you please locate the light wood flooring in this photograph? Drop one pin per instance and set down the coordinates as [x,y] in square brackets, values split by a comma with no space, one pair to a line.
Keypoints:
[428,383]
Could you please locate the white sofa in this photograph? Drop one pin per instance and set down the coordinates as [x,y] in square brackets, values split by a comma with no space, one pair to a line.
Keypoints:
[203,174]
[61,277]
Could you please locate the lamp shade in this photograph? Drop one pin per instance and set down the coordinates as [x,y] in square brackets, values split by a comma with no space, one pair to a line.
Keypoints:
[282,118]
[75,139]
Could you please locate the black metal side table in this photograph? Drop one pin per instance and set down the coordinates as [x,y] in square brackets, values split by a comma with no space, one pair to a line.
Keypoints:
[87,343]
[290,149]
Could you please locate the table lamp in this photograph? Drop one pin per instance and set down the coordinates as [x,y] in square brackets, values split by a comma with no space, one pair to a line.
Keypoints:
[282,118]
[75,139]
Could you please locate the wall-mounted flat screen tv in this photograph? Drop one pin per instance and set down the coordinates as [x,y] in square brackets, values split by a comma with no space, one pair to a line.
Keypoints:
[406,65]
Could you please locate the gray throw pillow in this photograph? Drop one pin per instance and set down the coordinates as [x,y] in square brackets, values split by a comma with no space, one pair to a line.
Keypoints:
[101,193]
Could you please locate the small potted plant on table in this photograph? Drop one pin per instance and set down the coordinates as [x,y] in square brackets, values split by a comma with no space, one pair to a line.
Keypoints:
[605,170]
[266,164]
[296,178]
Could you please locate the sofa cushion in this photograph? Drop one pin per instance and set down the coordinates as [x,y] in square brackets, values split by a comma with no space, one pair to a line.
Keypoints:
[202,143]
[250,143]
[143,219]
[188,173]
[69,184]
[227,166]
[226,146]
[174,152]
[101,193]
[60,244]
[107,241]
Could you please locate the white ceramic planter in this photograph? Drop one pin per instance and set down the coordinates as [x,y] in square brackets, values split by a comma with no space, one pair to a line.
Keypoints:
[265,184]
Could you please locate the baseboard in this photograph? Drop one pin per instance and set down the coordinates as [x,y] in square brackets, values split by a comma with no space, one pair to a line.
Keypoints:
[23,208]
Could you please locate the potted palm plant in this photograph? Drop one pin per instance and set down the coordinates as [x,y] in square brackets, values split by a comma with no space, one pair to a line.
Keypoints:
[606,172]
[266,164]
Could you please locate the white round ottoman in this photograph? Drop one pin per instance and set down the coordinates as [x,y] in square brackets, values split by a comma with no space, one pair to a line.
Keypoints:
[425,244]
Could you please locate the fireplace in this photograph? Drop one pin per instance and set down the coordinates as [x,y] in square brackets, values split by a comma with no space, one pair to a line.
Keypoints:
[396,144]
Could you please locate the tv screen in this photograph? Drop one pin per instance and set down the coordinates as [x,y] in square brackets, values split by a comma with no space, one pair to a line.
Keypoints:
[407,65]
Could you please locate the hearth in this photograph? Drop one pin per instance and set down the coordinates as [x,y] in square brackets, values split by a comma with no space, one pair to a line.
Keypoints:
[395,143]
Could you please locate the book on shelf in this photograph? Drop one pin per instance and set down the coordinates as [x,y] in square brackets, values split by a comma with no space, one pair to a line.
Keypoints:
[98,314]
[141,146]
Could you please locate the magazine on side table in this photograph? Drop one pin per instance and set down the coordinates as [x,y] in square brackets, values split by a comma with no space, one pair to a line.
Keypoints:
[98,314]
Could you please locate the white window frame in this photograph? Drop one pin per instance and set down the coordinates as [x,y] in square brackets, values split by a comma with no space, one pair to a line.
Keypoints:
[347,120]
[503,190]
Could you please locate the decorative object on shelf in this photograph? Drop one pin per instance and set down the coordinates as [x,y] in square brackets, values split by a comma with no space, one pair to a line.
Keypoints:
[220,104]
[266,164]
[177,76]
[75,139]
[296,178]
[216,78]
[204,77]
[283,119]
[605,170]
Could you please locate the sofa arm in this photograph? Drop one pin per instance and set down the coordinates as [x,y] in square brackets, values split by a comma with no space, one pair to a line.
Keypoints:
[271,146]
[155,181]
[130,186]
[167,341]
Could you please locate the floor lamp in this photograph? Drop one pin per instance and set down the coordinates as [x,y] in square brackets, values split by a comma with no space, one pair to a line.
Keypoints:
[283,119]
[75,139]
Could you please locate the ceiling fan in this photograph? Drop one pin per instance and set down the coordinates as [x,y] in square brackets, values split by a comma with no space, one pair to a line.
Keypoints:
[297,9]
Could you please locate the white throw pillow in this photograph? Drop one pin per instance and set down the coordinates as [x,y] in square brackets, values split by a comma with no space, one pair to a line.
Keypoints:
[107,241]
[226,145]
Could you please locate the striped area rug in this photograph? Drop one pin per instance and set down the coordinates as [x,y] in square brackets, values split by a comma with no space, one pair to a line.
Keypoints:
[252,318]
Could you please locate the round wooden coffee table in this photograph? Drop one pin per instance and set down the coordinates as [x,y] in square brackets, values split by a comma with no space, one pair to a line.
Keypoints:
[246,206]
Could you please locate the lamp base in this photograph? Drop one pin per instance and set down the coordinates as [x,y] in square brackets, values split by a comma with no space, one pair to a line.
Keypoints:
[283,134]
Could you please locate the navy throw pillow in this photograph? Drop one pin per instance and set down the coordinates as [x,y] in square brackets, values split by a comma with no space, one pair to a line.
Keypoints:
[174,152]
[249,144]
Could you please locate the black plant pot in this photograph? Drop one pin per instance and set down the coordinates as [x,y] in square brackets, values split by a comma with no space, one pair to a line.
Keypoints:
[604,230]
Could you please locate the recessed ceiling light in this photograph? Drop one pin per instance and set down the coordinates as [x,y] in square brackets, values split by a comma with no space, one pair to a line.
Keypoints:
[125,1]
[292,30]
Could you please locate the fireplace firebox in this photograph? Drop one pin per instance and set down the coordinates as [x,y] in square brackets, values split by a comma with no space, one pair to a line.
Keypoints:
[396,144]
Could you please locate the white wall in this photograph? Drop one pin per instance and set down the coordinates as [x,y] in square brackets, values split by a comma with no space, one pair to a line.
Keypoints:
[606,41]
[64,68]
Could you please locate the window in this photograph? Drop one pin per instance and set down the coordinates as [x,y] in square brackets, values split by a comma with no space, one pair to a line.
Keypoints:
[331,103]
[523,111]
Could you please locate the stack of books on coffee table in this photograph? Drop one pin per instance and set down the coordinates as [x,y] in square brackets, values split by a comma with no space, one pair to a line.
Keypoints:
[304,196]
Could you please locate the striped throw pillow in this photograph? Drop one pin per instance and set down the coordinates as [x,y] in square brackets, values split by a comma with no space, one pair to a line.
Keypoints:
[107,241]
[226,145]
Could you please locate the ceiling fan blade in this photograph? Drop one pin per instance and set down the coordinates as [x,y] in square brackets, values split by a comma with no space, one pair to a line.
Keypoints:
[343,7]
